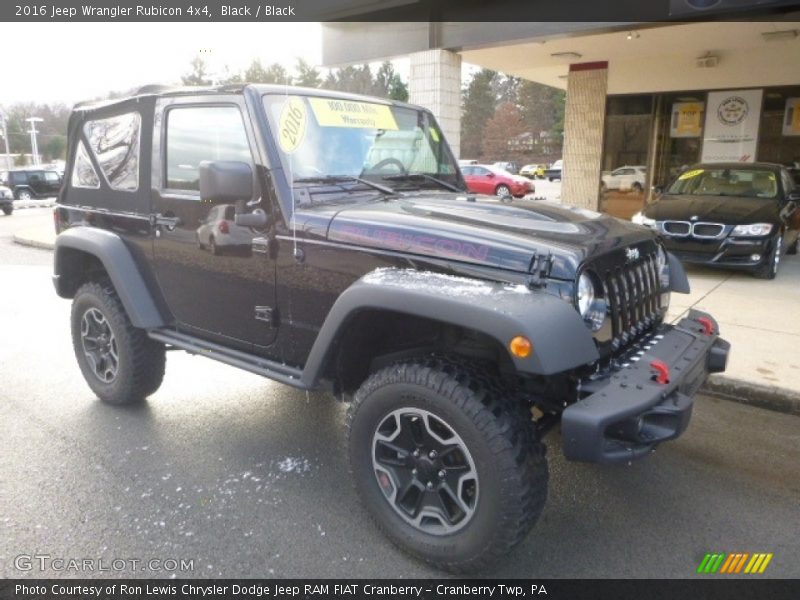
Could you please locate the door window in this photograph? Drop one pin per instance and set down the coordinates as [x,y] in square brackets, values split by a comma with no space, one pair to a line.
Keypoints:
[198,133]
[51,177]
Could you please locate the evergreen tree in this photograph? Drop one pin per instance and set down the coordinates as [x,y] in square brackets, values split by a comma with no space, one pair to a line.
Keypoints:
[478,106]
[307,75]
[198,74]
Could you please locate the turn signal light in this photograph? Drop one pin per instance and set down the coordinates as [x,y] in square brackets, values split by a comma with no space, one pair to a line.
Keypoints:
[520,347]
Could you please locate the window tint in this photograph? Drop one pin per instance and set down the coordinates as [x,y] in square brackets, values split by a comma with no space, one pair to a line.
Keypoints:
[18,178]
[115,144]
[481,172]
[83,173]
[467,171]
[199,133]
[35,177]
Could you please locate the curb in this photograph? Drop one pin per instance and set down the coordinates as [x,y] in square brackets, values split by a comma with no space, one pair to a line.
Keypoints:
[770,397]
[24,241]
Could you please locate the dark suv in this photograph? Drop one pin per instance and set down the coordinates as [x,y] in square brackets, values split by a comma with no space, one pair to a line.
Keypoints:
[460,328]
[26,184]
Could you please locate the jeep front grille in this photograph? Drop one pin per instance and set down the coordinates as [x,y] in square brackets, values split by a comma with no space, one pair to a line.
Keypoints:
[634,295]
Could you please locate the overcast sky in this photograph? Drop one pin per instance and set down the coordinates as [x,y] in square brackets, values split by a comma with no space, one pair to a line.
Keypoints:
[69,62]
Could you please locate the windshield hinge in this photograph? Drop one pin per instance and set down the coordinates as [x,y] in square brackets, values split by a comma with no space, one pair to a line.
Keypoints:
[540,269]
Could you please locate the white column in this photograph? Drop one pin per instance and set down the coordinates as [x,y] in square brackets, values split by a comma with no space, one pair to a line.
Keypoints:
[435,83]
[584,120]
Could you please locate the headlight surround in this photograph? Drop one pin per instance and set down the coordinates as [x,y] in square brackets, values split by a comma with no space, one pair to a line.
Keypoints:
[589,300]
[752,230]
[640,219]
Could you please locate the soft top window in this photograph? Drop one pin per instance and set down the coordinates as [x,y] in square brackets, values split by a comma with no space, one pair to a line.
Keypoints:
[115,144]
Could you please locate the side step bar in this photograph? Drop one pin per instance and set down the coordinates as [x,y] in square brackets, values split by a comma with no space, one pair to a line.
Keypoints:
[255,364]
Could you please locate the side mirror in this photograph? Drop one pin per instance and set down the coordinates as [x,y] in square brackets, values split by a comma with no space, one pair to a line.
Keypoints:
[490,175]
[225,181]
[794,196]
[257,219]
[658,189]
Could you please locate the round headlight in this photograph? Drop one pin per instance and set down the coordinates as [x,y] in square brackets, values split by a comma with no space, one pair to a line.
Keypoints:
[585,294]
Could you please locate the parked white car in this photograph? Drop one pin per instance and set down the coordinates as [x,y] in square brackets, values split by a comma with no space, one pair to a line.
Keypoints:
[628,177]
[219,231]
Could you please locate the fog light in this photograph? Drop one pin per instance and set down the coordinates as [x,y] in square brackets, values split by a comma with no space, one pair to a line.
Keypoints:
[520,347]
[755,257]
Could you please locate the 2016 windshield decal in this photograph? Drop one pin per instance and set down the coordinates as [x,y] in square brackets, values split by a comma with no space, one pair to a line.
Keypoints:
[412,242]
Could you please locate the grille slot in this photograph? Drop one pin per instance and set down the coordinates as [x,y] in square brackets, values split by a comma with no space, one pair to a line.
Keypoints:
[708,230]
[633,294]
[677,227]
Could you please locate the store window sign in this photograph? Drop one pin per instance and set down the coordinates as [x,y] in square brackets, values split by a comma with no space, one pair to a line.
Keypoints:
[731,126]
[791,120]
[687,119]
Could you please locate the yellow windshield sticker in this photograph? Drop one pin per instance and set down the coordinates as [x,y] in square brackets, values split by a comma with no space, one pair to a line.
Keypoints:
[292,124]
[690,174]
[434,135]
[331,112]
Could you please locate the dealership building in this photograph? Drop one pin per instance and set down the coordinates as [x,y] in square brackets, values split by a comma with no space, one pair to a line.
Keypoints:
[657,96]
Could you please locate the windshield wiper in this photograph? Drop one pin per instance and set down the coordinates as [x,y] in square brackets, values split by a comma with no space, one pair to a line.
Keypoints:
[345,178]
[412,176]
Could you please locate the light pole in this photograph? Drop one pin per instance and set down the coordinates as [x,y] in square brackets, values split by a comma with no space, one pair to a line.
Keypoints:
[5,137]
[34,146]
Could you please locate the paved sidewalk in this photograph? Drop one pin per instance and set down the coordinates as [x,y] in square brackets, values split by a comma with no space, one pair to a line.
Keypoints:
[761,320]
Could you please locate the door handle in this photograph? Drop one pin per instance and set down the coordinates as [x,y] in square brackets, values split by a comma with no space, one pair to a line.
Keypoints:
[168,221]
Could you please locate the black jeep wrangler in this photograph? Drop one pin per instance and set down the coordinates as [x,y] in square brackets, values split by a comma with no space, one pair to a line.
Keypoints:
[328,241]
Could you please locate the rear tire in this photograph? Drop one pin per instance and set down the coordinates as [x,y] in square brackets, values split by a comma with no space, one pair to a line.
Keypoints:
[502,485]
[8,210]
[121,364]
[24,195]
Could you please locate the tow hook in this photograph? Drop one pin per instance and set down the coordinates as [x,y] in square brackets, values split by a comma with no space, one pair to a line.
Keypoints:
[708,326]
[662,371]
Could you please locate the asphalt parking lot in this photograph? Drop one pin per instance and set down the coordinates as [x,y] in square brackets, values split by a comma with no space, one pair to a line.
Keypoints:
[247,478]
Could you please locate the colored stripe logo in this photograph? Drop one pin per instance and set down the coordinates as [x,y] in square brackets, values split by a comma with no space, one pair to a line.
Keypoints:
[734,563]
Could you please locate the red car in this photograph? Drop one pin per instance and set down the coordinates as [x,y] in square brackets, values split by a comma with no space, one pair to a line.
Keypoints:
[484,179]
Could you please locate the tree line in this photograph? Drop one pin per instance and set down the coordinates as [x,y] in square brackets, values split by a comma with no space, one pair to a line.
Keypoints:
[503,117]
[508,118]
[385,82]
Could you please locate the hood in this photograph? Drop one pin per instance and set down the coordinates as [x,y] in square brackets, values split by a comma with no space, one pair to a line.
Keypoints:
[731,210]
[485,232]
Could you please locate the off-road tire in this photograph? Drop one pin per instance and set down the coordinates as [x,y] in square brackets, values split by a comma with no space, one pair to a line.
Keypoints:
[24,195]
[770,267]
[141,360]
[497,430]
[8,210]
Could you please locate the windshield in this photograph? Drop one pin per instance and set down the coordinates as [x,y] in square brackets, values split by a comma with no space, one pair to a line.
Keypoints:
[320,138]
[743,183]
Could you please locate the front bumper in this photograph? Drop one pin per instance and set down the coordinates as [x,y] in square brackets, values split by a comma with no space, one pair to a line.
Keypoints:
[629,413]
[729,252]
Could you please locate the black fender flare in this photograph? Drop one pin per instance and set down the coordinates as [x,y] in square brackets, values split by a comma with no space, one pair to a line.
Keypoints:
[561,341]
[678,281]
[111,251]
